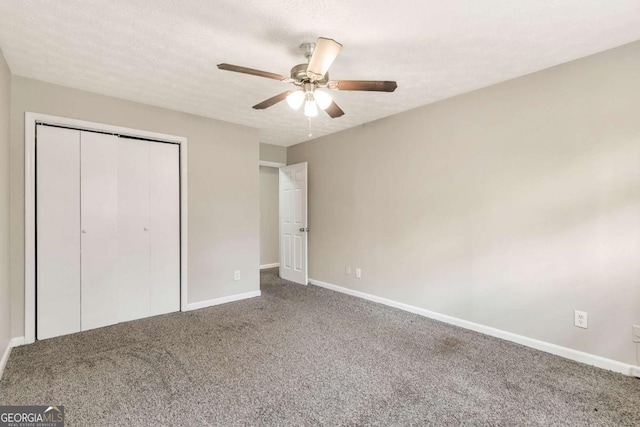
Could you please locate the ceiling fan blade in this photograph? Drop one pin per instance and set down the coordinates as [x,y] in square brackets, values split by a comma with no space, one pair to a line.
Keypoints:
[245,70]
[368,85]
[334,111]
[324,54]
[272,101]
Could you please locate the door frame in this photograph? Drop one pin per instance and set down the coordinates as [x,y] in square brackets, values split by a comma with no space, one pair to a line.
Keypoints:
[30,122]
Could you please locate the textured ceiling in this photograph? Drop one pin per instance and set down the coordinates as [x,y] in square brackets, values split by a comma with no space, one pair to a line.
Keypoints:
[164,53]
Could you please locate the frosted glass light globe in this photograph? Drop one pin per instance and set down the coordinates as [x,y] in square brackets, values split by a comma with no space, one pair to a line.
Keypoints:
[310,108]
[323,99]
[295,99]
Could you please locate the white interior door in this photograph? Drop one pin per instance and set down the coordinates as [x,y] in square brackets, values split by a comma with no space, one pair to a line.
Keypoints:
[164,227]
[133,229]
[58,231]
[293,223]
[100,287]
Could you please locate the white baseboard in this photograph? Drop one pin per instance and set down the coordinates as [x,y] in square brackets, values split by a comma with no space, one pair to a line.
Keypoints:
[13,342]
[274,265]
[16,342]
[568,353]
[223,300]
[5,358]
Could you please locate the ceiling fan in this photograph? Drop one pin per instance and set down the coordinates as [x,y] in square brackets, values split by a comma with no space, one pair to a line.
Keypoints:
[310,78]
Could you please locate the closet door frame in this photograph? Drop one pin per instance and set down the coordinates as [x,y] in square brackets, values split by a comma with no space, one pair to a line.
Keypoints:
[30,122]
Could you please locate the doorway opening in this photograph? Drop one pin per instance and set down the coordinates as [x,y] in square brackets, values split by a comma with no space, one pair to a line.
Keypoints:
[269,211]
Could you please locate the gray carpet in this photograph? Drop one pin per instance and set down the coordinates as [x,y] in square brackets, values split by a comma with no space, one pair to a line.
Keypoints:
[309,356]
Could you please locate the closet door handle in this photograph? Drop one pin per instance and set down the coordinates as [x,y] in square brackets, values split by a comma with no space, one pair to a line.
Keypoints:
[146,229]
[84,231]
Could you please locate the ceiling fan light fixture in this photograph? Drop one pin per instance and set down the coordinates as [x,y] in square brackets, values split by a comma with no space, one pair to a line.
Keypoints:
[323,99]
[295,99]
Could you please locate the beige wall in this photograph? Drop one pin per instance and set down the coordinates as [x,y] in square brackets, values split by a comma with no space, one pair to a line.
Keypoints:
[269,209]
[5,118]
[223,185]
[510,206]
[273,153]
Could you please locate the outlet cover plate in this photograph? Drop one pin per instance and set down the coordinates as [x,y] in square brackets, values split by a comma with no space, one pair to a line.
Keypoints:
[636,333]
[580,319]
[358,273]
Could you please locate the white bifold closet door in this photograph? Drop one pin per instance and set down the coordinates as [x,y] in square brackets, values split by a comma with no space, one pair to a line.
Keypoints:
[164,228]
[133,232]
[125,214]
[148,228]
[101,283]
[58,231]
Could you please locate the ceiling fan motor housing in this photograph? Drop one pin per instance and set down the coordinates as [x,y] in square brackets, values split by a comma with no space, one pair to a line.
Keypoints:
[300,75]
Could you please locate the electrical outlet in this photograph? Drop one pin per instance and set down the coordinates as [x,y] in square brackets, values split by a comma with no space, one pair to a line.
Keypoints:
[636,333]
[236,275]
[347,270]
[580,319]
[358,273]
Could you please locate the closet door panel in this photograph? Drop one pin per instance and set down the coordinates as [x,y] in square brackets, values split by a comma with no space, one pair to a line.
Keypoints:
[99,217]
[133,228]
[58,231]
[165,228]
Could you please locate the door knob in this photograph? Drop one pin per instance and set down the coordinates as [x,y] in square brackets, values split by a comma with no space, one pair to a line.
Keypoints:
[84,231]
[304,229]
[146,229]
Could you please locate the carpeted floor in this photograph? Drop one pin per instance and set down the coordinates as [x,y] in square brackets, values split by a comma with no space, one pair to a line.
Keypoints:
[309,356]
